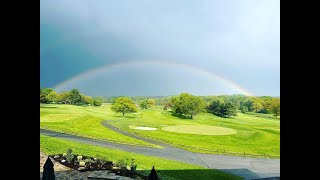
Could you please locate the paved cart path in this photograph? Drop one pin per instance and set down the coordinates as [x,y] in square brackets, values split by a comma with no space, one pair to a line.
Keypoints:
[246,167]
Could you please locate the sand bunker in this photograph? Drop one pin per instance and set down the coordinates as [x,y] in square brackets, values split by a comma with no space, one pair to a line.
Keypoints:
[145,128]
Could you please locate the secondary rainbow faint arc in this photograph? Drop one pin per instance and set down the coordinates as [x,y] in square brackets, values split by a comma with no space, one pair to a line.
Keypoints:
[106,68]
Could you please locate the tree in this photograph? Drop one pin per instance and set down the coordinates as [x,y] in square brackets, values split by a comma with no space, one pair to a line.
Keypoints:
[244,109]
[101,99]
[167,106]
[223,109]
[187,105]
[87,99]
[228,109]
[64,97]
[124,105]
[256,106]
[275,106]
[176,106]
[144,104]
[195,106]
[47,95]
[96,102]
[266,103]
[52,97]
[75,97]
[215,107]
[161,101]
[44,93]
[151,102]
[233,99]
[112,100]
[147,103]
[249,104]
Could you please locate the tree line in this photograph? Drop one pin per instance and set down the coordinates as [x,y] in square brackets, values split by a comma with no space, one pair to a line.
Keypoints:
[225,106]
[187,106]
[49,96]
[262,104]
[245,104]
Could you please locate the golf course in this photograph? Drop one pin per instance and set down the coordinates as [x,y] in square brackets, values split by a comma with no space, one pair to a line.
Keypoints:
[207,133]
[160,90]
[157,137]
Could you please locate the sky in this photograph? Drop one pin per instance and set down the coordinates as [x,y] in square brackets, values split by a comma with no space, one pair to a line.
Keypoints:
[202,47]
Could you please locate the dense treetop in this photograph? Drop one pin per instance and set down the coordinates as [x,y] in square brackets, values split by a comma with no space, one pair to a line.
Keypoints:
[49,96]
[124,105]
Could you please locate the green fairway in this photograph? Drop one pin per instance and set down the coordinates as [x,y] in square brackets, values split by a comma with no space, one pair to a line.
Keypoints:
[254,135]
[246,133]
[84,121]
[201,130]
[166,169]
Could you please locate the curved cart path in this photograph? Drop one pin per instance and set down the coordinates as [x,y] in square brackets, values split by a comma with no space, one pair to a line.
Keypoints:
[246,167]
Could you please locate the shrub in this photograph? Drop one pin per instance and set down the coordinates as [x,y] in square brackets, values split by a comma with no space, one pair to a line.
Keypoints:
[69,155]
[96,102]
[133,166]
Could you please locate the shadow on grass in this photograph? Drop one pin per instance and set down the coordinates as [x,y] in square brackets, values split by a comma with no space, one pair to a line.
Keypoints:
[179,116]
[247,174]
[120,116]
[124,116]
[48,107]
[270,116]
[188,117]
[190,174]
[212,174]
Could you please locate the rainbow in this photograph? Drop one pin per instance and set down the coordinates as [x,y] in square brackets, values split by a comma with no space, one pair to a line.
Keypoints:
[103,69]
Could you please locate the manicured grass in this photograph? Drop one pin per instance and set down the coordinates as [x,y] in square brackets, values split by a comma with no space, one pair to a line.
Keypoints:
[84,121]
[256,134]
[199,129]
[166,169]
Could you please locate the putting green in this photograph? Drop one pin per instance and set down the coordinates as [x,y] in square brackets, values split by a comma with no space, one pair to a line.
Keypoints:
[199,129]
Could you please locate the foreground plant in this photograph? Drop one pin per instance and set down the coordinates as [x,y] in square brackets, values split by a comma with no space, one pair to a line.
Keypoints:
[133,167]
[69,155]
